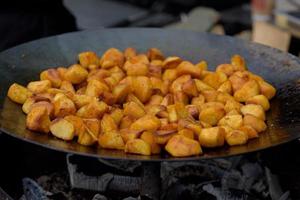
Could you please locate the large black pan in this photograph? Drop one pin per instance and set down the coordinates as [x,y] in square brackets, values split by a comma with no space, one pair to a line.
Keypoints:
[23,63]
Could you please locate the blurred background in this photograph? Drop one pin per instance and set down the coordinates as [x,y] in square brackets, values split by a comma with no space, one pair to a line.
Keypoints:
[271,22]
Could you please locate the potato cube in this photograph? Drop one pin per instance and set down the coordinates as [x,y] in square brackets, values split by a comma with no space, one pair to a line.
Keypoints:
[53,76]
[198,101]
[92,127]
[255,110]
[79,127]
[238,80]
[150,139]
[173,117]
[186,133]
[155,54]
[94,109]
[238,63]
[258,124]
[137,69]
[88,58]
[128,134]
[233,121]
[63,105]
[38,120]
[155,100]
[62,129]
[210,95]
[211,115]
[132,97]
[225,87]
[82,100]
[39,86]
[202,65]
[201,86]
[133,110]
[186,67]
[155,69]
[190,88]
[49,106]
[181,97]
[267,89]
[211,104]
[112,57]
[17,93]
[249,89]
[76,74]
[138,146]
[62,71]
[259,100]
[180,146]
[126,122]
[117,114]
[236,137]
[67,86]
[214,79]
[228,69]
[129,53]
[171,62]
[142,88]
[120,92]
[212,137]
[146,123]
[111,140]
[251,132]
[98,74]
[108,124]
[27,105]
[167,100]
[177,84]
[224,97]
[170,75]
[232,105]
[95,88]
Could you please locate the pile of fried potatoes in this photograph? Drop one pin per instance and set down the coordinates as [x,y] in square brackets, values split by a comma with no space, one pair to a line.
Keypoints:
[144,103]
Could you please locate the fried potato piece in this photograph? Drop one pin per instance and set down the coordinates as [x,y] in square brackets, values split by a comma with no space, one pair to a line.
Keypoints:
[224,97]
[190,88]
[155,100]
[173,117]
[62,129]
[82,100]
[49,106]
[112,57]
[258,124]
[255,110]
[167,100]
[38,120]
[108,98]
[157,110]
[67,86]
[233,121]
[155,69]
[111,140]
[212,104]
[211,115]
[236,137]
[108,124]
[181,146]
[128,134]
[171,62]
[191,125]
[17,93]
[126,122]
[138,146]
[142,88]
[95,88]
[177,84]
[251,132]
[238,62]
[232,105]
[193,110]
[63,105]
[238,79]
[117,114]
[210,95]
[76,74]
[79,127]
[186,67]
[129,53]
[198,101]
[249,89]
[62,71]
[120,92]
[225,87]
[92,129]
[227,69]
[132,97]
[146,123]
[181,97]
[259,100]
[212,137]
[53,76]
[150,139]
[137,69]
[27,104]
[88,59]
[267,89]
[201,86]
[202,65]
[39,86]
[94,109]
[186,133]
[215,80]
[155,54]
[170,75]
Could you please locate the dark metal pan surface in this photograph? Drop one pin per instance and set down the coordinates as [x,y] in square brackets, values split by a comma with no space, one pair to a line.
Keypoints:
[24,63]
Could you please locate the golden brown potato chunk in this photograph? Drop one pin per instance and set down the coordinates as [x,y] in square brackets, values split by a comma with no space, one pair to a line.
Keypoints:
[128,134]
[225,87]
[38,120]
[112,57]
[227,69]
[62,129]
[155,54]
[63,106]
[82,100]
[186,67]
[95,88]
[53,76]
[155,68]
[76,74]
[138,146]
[255,110]
[167,100]
[126,122]
[181,97]
[251,132]
[137,69]
[238,63]
[171,62]
[108,124]
[17,93]
[92,127]
[170,75]
[193,110]
[233,121]
[78,124]
[129,53]
[49,106]
[120,92]
[267,89]
[198,101]
[39,86]
[155,100]
[212,137]
[88,58]
[236,137]
[67,86]
[232,105]
[111,140]
[186,133]
[190,88]
[211,115]
[173,117]
[150,139]
[142,88]
[94,109]
[249,89]
[181,146]
[117,114]
[259,100]
[146,123]
[258,124]
[210,95]
[177,84]
[62,71]
[27,104]
[238,79]
[215,80]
